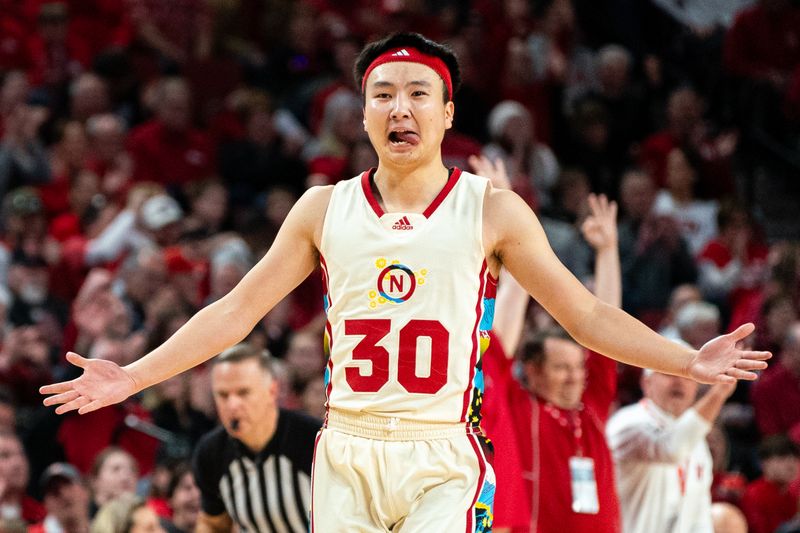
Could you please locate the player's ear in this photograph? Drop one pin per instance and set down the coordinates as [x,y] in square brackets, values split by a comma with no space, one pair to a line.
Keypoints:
[449,111]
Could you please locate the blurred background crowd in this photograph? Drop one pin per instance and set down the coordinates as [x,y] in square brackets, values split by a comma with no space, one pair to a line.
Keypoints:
[150,149]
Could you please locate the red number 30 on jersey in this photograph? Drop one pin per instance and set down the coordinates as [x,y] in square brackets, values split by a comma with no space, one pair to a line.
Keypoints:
[373,331]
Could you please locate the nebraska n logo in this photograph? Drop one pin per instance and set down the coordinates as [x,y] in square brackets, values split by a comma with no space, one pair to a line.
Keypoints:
[396,283]
[401,53]
[403,224]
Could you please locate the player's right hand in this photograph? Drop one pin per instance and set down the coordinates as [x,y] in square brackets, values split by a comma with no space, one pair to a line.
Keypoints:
[102,383]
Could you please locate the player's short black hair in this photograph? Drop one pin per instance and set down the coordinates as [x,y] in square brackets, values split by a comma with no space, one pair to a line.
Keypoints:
[412,40]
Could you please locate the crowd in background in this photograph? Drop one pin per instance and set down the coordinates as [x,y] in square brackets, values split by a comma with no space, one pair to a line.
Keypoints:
[149,151]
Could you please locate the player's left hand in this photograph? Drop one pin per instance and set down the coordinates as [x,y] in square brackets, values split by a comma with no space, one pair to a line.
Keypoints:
[722,360]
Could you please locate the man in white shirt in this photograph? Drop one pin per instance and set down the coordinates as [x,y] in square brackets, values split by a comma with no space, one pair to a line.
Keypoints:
[662,462]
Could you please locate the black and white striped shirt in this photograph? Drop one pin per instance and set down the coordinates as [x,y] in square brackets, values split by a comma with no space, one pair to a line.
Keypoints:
[268,492]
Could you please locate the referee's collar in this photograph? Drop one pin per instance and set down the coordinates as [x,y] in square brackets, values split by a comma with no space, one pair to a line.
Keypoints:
[271,446]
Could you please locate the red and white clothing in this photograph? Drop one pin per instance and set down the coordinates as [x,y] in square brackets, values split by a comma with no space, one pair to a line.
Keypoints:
[663,468]
[739,280]
[409,301]
[547,437]
[168,157]
[510,497]
[697,219]
[408,297]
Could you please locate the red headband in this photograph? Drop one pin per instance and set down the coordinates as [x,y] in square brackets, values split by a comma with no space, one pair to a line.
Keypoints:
[414,56]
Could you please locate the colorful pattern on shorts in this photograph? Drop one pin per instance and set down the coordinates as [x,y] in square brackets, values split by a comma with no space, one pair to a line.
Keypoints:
[484,506]
[486,320]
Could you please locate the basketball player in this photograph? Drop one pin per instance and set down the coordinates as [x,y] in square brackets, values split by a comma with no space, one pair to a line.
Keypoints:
[409,252]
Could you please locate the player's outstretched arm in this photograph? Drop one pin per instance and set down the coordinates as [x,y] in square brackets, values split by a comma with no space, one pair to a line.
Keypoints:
[223,323]
[515,238]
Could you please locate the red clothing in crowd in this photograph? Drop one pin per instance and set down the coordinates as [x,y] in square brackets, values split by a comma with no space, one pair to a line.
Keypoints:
[179,21]
[107,427]
[716,179]
[766,505]
[775,397]
[749,288]
[13,49]
[760,42]
[170,158]
[103,23]
[547,438]
[32,511]
[57,63]
[498,424]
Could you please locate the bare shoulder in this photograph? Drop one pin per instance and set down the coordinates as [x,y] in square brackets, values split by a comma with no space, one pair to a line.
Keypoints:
[308,213]
[315,200]
[500,201]
[505,215]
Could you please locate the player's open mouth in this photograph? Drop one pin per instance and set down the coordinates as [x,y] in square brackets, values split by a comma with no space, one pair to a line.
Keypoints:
[403,138]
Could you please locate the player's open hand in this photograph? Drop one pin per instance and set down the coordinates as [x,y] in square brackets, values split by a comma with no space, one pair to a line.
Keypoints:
[721,360]
[102,383]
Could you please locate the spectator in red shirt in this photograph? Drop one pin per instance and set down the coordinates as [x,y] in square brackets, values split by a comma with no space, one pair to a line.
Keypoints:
[761,49]
[767,501]
[103,23]
[111,426]
[733,265]
[67,159]
[776,395]
[108,157]
[687,129]
[167,149]
[764,42]
[57,55]
[562,407]
[14,473]
[13,34]
[179,31]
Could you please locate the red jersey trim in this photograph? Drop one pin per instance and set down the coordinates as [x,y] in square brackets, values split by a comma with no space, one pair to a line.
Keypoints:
[329,331]
[366,186]
[451,182]
[473,360]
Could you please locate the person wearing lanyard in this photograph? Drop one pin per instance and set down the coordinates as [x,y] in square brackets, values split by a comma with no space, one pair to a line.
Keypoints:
[562,405]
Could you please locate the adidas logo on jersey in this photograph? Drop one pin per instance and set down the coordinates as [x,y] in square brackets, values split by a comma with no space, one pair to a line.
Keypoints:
[401,53]
[403,224]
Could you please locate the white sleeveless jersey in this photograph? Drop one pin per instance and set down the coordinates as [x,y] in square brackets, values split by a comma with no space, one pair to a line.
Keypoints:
[409,300]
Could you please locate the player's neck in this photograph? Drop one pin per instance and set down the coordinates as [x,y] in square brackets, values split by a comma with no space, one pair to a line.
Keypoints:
[401,189]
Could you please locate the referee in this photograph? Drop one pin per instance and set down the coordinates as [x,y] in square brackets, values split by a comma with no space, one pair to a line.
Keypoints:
[255,470]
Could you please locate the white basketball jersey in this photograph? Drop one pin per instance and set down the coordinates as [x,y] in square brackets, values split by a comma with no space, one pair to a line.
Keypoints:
[409,300]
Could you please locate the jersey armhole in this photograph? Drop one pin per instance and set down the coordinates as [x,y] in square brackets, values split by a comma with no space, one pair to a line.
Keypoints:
[481,224]
[323,235]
